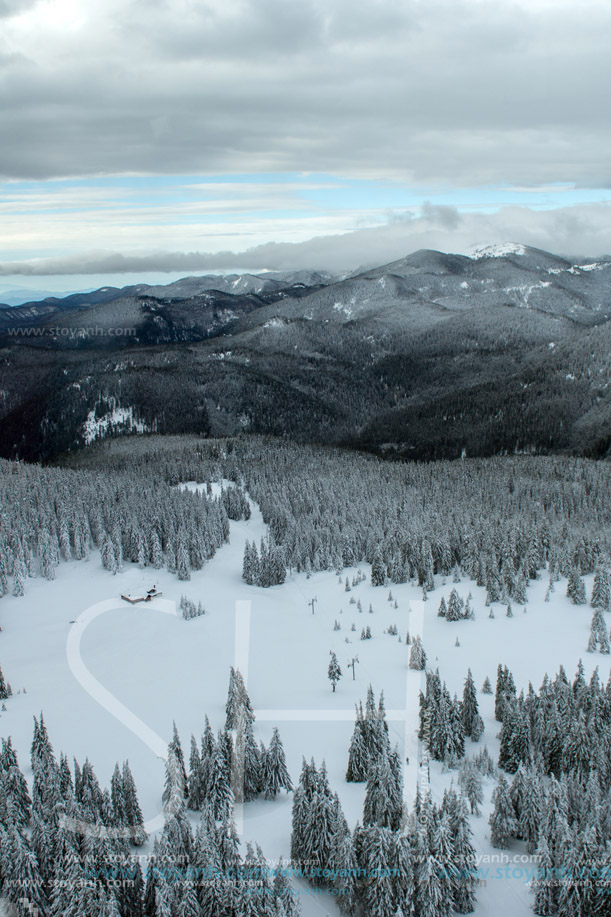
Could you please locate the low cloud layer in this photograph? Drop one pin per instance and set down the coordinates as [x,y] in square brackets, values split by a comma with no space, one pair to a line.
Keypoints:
[580,230]
[458,92]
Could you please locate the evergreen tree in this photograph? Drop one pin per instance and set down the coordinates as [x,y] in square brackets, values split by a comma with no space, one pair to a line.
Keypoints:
[254,760]
[174,790]
[219,794]
[345,870]
[471,784]
[183,562]
[601,590]
[275,775]
[133,812]
[358,756]
[599,636]
[519,589]
[383,803]
[156,553]
[109,559]
[238,701]
[5,689]
[505,691]
[575,588]
[456,606]
[417,655]
[470,709]
[19,575]
[503,825]
[334,672]
[250,566]
[378,570]
[544,884]
[531,810]
[376,856]
[195,797]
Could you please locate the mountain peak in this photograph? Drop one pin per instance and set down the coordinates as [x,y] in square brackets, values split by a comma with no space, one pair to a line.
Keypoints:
[497,250]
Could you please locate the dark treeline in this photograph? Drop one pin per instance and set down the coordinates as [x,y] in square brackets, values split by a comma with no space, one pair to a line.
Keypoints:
[499,520]
[53,514]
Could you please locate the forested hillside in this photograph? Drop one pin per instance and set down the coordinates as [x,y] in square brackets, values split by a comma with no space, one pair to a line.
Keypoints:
[429,357]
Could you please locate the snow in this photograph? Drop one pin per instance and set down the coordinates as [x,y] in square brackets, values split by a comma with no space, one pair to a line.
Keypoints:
[499,250]
[342,307]
[525,290]
[597,266]
[274,323]
[117,419]
[163,668]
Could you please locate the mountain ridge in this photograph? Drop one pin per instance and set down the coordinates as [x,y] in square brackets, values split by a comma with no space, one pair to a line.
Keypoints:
[421,353]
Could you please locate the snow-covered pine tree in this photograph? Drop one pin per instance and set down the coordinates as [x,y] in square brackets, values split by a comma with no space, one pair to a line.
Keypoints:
[358,755]
[601,589]
[334,672]
[174,790]
[599,636]
[345,871]
[469,709]
[237,700]
[519,589]
[470,781]
[545,883]
[456,607]
[250,565]
[5,688]
[502,821]
[376,849]
[133,813]
[156,553]
[464,861]
[378,569]
[219,793]
[275,776]
[383,803]
[505,691]
[417,654]
[575,587]
[183,563]
[253,759]
[529,823]
[19,576]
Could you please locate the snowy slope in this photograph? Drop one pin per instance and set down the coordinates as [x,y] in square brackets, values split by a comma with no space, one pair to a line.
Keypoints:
[163,669]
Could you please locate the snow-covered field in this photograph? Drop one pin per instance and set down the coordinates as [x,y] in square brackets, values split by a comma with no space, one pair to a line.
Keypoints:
[163,668]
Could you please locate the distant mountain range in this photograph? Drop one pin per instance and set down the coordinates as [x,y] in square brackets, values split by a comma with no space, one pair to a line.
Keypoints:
[434,355]
[16,296]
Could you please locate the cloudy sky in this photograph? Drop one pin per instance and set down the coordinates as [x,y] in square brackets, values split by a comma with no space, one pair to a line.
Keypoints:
[187,136]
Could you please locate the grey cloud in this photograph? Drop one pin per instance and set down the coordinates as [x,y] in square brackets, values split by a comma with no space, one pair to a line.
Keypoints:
[583,228]
[443,216]
[14,7]
[444,92]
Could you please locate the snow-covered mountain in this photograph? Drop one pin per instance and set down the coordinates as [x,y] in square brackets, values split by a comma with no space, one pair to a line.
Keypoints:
[427,355]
